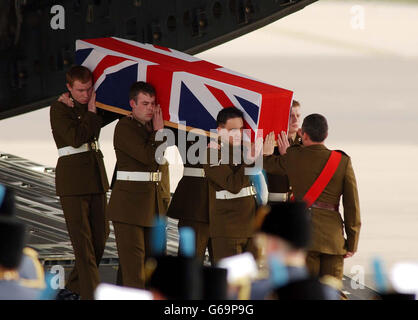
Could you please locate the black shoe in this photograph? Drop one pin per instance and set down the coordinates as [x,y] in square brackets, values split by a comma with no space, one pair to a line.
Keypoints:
[65,294]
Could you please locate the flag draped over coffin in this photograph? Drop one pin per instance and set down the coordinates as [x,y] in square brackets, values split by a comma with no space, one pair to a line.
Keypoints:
[189,89]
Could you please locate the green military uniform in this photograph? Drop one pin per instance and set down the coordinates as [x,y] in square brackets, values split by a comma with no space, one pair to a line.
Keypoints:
[303,165]
[134,204]
[278,184]
[164,186]
[190,203]
[81,184]
[231,219]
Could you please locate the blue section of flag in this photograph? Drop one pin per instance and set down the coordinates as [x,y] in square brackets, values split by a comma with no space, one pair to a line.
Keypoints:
[81,55]
[193,112]
[114,91]
[250,108]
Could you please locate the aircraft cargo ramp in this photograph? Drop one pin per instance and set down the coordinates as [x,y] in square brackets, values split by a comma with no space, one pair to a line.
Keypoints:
[39,207]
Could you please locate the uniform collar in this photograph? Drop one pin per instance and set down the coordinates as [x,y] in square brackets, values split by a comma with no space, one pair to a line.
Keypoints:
[147,126]
[317,147]
[78,104]
[297,140]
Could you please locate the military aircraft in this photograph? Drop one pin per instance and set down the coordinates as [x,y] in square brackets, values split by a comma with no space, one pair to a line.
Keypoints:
[37,37]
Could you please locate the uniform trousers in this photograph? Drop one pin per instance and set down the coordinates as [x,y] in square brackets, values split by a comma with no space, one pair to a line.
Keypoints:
[88,229]
[226,247]
[321,264]
[134,247]
[202,240]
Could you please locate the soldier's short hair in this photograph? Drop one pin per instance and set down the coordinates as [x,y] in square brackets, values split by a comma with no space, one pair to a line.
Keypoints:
[79,73]
[316,126]
[141,86]
[228,113]
[295,104]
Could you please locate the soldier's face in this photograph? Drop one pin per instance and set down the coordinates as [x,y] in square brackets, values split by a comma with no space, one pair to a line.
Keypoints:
[294,120]
[143,108]
[80,91]
[231,132]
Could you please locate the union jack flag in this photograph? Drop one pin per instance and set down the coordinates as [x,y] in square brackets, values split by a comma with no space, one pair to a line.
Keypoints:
[189,89]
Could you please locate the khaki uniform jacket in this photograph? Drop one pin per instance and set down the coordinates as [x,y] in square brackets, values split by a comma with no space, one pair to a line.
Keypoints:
[229,218]
[81,173]
[135,202]
[303,165]
[191,199]
[279,183]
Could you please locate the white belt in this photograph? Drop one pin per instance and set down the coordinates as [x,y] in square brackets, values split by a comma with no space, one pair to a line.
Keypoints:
[138,176]
[245,192]
[66,151]
[194,172]
[277,197]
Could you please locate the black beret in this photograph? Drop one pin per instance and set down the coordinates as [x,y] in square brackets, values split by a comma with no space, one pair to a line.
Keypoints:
[177,278]
[7,201]
[12,242]
[289,221]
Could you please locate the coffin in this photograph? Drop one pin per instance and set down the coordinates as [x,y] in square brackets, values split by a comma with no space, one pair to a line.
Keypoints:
[189,90]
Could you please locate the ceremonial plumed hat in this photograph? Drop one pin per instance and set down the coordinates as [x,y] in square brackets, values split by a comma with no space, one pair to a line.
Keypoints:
[12,241]
[289,221]
[178,278]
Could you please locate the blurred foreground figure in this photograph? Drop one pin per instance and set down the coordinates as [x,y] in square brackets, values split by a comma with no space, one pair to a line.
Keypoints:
[286,230]
[30,270]
[12,240]
[182,277]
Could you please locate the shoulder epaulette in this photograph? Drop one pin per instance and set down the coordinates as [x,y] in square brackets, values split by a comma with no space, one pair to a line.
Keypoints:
[342,152]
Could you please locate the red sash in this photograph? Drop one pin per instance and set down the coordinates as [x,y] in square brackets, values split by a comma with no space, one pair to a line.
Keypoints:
[323,179]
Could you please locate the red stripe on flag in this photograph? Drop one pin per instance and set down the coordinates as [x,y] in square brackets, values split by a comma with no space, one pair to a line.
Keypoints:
[106,62]
[225,102]
[220,96]
[201,67]
[274,98]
